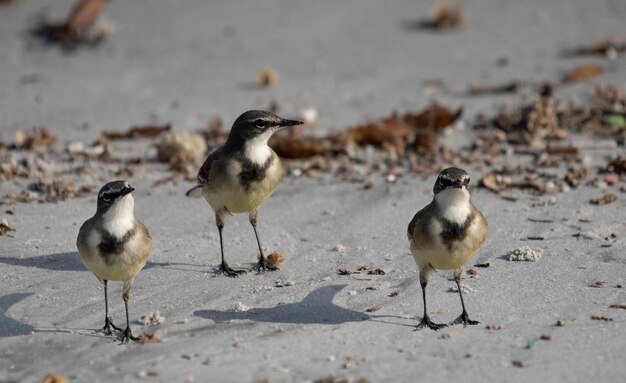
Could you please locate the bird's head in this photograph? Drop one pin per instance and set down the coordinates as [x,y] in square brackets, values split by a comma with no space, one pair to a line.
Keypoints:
[452,179]
[259,124]
[115,197]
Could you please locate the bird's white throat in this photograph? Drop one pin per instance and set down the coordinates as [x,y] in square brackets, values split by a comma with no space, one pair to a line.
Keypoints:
[256,149]
[120,218]
[454,204]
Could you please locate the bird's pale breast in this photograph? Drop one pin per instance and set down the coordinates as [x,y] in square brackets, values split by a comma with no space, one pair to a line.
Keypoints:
[226,190]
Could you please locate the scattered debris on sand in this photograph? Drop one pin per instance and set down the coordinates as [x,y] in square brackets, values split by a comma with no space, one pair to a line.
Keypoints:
[465,289]
[275,260]
[493,327]
[52,378]
[152,319]
[83,26]
[240,307]
[604,200]
[445,16]
[524,253]
[582,73]
[147,338]
[609,49]
[5,227]
[267,77]
[601,318]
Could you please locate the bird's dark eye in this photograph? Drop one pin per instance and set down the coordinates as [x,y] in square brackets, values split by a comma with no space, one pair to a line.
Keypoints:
[106,197]
[259,123]
[446,181]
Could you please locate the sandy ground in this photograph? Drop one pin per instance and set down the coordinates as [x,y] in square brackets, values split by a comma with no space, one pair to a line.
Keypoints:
[184,63]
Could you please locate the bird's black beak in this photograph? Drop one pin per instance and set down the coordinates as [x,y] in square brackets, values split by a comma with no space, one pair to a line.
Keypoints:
[285,123]
[127,190]
[458,185]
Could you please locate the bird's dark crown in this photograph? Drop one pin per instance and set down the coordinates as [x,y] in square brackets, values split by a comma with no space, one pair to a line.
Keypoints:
[256,122]
[112,191]
[451,178]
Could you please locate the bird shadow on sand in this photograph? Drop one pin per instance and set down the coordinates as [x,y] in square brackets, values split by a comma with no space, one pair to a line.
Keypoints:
[70,261]
[317,307]
[9,326]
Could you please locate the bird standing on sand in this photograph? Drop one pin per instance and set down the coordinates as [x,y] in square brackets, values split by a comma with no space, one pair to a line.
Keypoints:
[447,234]
[242,174]
[114,245]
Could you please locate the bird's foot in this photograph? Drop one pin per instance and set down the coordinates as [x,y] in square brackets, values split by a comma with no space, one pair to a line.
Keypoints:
[263,266]
[426,322]
[465,320]
[226,270]
[108,324]
[127,336]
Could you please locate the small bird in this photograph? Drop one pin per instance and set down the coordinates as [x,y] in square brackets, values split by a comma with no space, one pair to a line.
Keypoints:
[242,174]
[114,246]
[447,234]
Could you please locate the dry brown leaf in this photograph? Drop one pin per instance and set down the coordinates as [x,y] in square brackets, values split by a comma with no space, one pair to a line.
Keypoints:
[143,131]
[52,378]
[449,335]
[604,200]
[434,117]
[275,260]
[146,338]
[39,138]
[445,16]
[267,76]
[480,90]
[83,15]
[582,73]
[5,227]
[493,327]
[601,318]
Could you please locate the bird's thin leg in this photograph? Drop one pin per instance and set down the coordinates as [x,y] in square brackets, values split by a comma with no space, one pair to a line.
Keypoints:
[463,318]
[224,268]
[262,265]
[108,322]
[426,322]
[127,334]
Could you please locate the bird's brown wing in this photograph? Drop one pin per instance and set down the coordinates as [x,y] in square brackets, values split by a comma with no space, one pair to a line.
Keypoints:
[204,173]
[418,227]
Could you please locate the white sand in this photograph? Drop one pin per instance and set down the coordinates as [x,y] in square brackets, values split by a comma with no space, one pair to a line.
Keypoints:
[348,60]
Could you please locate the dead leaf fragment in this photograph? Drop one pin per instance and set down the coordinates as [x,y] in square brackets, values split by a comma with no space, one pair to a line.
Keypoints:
[376,271]
[480,90]
[5,227]
[51,378]
[617,306]
[141,131]
[275,260]
[582,73]
[445,16]
[373,309]
[602,318]
[449,335]
[493,327]
[604,200]
[146,338]
[38,138]
[518,363]
[267,76]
